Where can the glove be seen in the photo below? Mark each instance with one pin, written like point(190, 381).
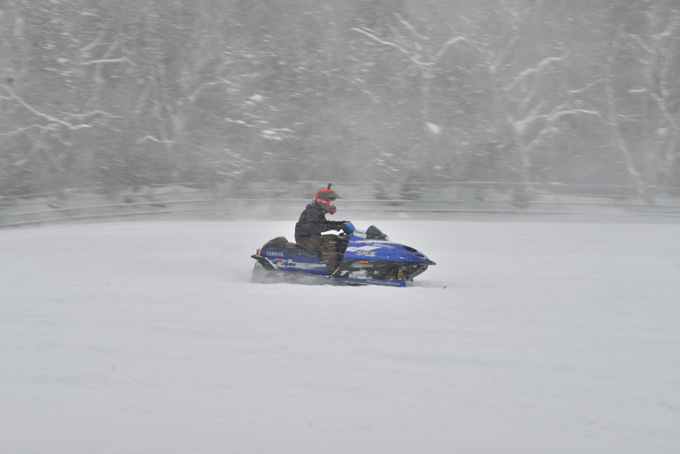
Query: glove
point(348, 228)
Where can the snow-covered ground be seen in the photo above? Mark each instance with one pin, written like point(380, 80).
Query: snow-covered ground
point(527, 337)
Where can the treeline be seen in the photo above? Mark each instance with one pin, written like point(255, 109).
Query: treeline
point(141, 92)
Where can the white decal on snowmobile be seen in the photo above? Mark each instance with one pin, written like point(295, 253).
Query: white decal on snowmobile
point(273, 253)
point(362, 248)
point(366, 253)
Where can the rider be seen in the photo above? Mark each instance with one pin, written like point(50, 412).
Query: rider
point(313, 222)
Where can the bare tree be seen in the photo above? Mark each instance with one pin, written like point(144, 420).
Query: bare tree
point(423, 60)
point(527, 84)
point(41, 117)
point(659, 49)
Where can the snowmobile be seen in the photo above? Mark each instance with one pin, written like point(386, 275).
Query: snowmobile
point(366, 258)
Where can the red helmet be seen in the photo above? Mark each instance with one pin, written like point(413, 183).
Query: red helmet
point(326, 199)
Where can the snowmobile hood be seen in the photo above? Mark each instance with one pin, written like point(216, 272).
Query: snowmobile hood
point(364, 249)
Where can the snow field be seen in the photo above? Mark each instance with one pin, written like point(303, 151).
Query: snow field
point(531, 337)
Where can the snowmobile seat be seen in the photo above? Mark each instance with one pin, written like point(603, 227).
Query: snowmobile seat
point(281, 242)
point(294, 248)
point(278, 242)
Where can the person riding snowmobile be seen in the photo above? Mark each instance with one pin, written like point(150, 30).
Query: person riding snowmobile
point(313, 222)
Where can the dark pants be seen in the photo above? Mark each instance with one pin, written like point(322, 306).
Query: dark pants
point(324, 244)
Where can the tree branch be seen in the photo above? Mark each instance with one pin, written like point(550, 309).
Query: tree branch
point(448, 44)
point(42, 115)
point(381, 41)
point(540, 67)
point(108, 60)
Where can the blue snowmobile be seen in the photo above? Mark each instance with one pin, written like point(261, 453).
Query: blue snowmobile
point(366, 258)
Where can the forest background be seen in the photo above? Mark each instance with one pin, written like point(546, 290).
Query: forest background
point(103, 93)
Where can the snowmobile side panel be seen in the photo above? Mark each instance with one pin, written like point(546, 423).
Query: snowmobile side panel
point(361, 248)
point(281, 259)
